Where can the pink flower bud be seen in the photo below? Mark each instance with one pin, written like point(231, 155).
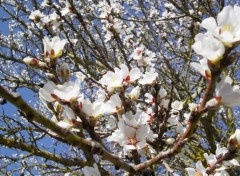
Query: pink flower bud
point(31, 61)
point(64, 71)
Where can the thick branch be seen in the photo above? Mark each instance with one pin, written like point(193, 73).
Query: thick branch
point(42, 153)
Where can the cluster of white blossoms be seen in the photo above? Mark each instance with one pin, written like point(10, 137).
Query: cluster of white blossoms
point(220, 36)
point(120, 97)
point(211, 161)
point(53, 19)
point(112, 26)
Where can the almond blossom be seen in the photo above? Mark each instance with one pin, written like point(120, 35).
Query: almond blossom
point(113, 105)
point(149, 77)
point(235, 139)
point(133, 131)
point(143, 56)
point(220, 151)
point(53, 47)
point(226, 94)
point(200, 170)
point(202, 68)
point(119, 76)
point(69, 91)
point(227, 26)
point(91, 171)
point(208, 47)
point(93, 109)
point(135, 93)
point(64, 71)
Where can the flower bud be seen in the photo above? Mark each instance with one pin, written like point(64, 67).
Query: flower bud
point(214, 103)
point(234, 140)
point(34, 62)
point(170, 141)
point(134, 94)
point(31, 61)
point(64, 71)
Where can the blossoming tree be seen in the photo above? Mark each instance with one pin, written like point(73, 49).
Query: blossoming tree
point(119, 87)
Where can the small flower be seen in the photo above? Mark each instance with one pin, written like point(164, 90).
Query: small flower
point(112, 79)
point(162, 93)
point(53, 47)
point(226, 94)
point(177, 105)
point(69, 91)
point(149, 77)
point(208, 47)
point(93, 110)
point(170, 141)
point(66, 9)
point(91, 171)
point(114, 104)
point(119, 76)
point(149, 98)
point(135, 93)
point(202, 68)
point(130, 76)
point(235, 139)
point(200, 170)
point(47, 90)
point(35, 15)
point(64, 71)
point(34, 62)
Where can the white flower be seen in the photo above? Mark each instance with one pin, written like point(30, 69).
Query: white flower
point(149, 77)
point(170, 141)
point(53, 47)
point(208, 47)
point(114, 104)
point(202, 68)
point(95, 109)
point(47, 91)
point(91, 171)
point(235, 139)
point(227, 26)
point(35, 15)
point(200, 170)
point(164, 103)
point(143, 55)
point(220, 151)
point(69, 91)
point(226, 94)
point(131, 76)
point(149, 98)
point(138, 53)
point(64, 71)
point(115, 79)
point(33, 62)
point(192, 106)
point(135, 93)
point(66, 9)
point(133, 131)
point(162, 93)
point(112, 79)
point(177, 105)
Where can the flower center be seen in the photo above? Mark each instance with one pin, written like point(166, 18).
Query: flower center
point(132, 141)
point(225, 28)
